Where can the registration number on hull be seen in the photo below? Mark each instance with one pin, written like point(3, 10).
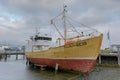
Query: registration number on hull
point(76, 44)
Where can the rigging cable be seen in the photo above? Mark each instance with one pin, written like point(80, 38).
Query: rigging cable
point(73, 27)
point(82, 24)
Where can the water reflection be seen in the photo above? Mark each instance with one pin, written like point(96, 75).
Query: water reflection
point(17, 70)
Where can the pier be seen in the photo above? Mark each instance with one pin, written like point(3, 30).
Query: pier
point(5, 54)
point(110, 58)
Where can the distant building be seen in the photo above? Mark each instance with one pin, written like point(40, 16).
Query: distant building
point(114, 48)
point(2, 48)
point(10, 49)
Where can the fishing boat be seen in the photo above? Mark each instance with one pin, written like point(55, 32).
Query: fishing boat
point(76, 50)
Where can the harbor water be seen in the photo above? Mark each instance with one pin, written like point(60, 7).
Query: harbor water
point(17, 70)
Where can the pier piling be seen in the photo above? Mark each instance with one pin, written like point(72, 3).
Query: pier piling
point(119, 56)
point(99, 59)
point(5, 57)
point(16, 57)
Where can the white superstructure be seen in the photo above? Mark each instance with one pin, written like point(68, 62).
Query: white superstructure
point(39, 42)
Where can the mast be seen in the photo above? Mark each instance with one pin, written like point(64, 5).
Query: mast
point(64, 23)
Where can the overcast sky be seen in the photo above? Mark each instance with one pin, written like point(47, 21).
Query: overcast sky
point(18, 18)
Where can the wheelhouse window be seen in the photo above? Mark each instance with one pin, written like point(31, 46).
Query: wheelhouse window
point(43, 38)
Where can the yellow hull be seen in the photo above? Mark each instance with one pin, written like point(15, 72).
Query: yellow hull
point(78, 56)
point(83, 49)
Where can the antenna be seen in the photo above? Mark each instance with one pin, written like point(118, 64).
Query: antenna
point(36, 30)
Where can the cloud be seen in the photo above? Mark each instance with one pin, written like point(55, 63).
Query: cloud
point(96, 12)
point(18, 18)
point(113, 28)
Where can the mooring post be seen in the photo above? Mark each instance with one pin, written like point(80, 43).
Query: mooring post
point(119, 55)
point(56, 67)
point(99, 58)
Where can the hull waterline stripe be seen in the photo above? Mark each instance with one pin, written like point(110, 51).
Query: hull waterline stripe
point(87, 58)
